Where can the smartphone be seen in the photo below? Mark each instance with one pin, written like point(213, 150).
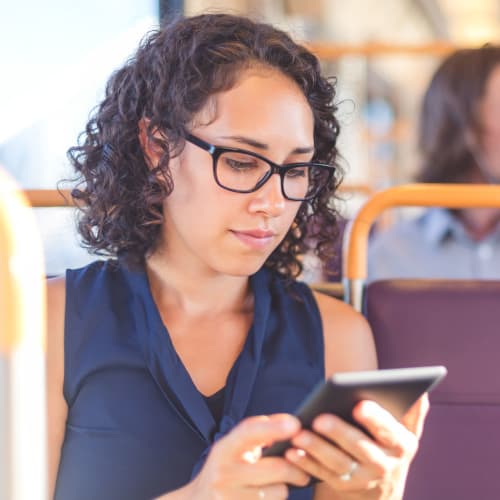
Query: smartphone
point(394, 389)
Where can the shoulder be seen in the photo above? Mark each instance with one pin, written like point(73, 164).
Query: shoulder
point(56, 305)
point(348, 338)
point(56, 404)
point(392, 252)
point(56, 301)
point(400, 232)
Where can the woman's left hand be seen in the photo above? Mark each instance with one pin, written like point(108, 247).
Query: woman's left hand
point(359, 466)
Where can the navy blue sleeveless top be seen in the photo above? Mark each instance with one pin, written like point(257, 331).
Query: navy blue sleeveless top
point(137, 426)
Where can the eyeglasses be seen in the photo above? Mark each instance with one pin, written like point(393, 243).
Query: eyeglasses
point(243, 171)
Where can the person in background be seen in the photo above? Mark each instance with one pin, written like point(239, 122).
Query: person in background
point(459, 141)
point(171, 364)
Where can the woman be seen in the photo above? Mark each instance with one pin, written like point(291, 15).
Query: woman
point(459, 141)
point(172, 364)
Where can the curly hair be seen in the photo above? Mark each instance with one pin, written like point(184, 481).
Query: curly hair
point(450, 111)
point(173, 74)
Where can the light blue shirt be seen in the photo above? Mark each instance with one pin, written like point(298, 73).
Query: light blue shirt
point(433, 245)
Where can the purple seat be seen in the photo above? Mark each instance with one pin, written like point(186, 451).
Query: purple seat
point(456, 324)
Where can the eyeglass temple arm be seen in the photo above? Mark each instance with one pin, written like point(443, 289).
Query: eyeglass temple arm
point(200, 143)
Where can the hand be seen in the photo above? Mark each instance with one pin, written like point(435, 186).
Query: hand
point(359, 466)
point(229, 473)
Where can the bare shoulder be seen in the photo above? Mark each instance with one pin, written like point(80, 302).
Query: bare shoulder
point(56, 293)
point(56, 404)
point(348, 338)
point(56, 304)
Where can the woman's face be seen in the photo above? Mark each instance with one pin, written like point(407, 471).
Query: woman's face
point(489, 113)
point(210, 229)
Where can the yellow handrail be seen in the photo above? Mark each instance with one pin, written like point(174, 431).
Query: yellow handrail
point(22, 349)
point(49, 197)
point(330, 51)
point(41, 198)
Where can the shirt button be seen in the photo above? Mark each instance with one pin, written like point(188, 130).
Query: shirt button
point(485, 251)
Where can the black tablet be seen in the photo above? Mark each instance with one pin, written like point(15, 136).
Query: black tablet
point(394, 389)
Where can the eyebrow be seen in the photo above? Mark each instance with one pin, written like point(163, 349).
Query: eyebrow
point(260, 145)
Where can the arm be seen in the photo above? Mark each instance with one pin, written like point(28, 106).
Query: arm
point(56, 405)
point(381, 464)
point(348, 339)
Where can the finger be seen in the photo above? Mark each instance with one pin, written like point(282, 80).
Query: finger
point(362, 477)
point(350, 439)
point(415, 417)
point(272, 491)
point(388, 432)
point(271, 470)
point(257, 431)
point(322, 451)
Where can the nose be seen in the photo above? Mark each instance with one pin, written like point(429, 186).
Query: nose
point(269, 199)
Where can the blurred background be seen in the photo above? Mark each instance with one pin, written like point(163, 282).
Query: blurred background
point(57, 55)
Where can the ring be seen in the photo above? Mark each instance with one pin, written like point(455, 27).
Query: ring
point(262, 494)
point(347, 476)
point(252, 456)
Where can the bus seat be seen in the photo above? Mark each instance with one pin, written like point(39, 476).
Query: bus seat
point(452, 323)
point(457, 324)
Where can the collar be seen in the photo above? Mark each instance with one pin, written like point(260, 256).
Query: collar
point(439, 224)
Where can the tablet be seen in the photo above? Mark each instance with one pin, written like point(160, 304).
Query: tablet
point(394, 389)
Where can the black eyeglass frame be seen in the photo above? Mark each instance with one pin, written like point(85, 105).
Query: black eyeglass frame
point(281, 170)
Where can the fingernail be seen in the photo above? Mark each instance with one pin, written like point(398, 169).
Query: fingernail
point(324, 424)
point(289, 425)
point(295, 455)
point(302, 440)
point(368, 407)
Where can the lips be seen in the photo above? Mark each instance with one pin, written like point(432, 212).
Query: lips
point(255, 238)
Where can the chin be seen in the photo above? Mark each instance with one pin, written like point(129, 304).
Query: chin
point(242, 268)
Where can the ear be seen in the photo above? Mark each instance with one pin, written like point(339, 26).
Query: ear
point(151, 151)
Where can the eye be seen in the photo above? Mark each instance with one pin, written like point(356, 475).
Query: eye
point(297, 172)
point(240, 162)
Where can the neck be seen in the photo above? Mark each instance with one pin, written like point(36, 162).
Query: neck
point(479, 222)
point(197, 292)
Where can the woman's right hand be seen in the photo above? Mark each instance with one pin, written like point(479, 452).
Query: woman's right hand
point(229, 474)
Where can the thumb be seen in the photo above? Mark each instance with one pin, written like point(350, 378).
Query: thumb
point(415, 416)
point(255, 432)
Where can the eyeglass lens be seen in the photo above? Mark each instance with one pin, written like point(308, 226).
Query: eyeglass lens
point(242, 172)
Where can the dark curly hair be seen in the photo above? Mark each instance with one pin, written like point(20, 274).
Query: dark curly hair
point(175, 70)
point(450, 111)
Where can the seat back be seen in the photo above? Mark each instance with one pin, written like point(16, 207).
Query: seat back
point(437, 322)
point(456, 324)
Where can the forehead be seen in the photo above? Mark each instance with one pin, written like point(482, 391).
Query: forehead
point(263, 103)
